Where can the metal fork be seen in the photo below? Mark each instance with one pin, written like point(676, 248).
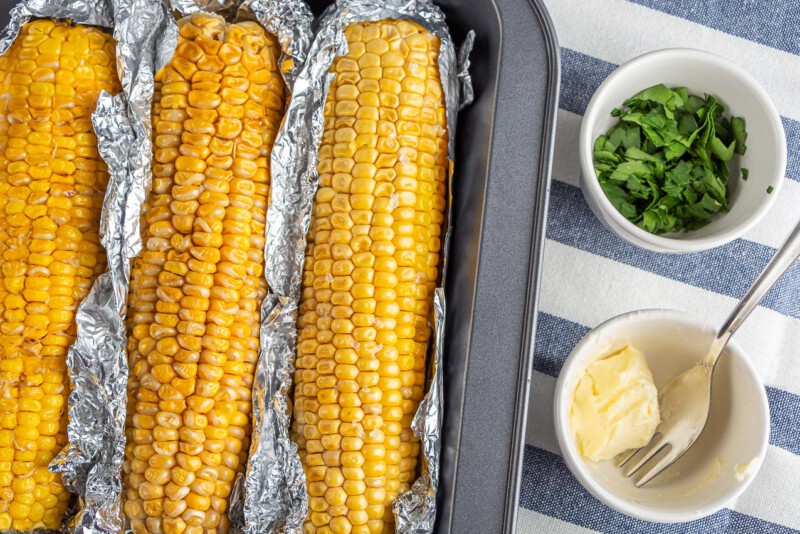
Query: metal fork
point(686, 400)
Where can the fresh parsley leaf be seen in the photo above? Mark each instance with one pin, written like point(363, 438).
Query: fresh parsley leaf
point(619, 199)
point(680, 174)
point(659, 94)
point(770, 189)
point(664, 165)
point(694, 103)
point(725, 153)
point(687, 124)
point(627, 168)
point(634, 153)
point(739, 134)
point(745, 174)
point(709, 204)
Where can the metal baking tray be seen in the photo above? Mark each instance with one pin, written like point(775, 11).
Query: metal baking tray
point(504, 153)
point(500, 190)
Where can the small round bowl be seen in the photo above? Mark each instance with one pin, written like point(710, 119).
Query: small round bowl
point(701, 72)
point(721, 463)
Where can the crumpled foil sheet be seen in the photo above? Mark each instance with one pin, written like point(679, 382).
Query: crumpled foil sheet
point(415, 510)
point(97, 363)
point(94, 12)
point(290, 21)
point(90, 463)
point(146, 35)
point(274, 484)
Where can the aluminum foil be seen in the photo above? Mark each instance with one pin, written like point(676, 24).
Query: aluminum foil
point(94, 12)
point(415, 510)
point(274, 484)
point(290, 21)
point(97, 364)
point(91, 461)
point(146, 36)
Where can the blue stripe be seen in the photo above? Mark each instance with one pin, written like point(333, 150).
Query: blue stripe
point(555, 338)
point(727, 270)
point(761, 21)
point(550, 489)
point(792, 129)
point(784, 419)
point(581, 75)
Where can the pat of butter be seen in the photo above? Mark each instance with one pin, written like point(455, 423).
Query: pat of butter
point(614, 406)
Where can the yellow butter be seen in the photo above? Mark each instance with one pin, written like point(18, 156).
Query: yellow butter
point(614, 406)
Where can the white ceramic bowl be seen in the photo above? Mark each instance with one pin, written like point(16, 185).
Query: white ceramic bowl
point(701, 72)
point(725, 458)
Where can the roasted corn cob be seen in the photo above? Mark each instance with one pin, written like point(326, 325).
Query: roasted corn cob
point(196, 288)
point(52, 183)
point(371, 267)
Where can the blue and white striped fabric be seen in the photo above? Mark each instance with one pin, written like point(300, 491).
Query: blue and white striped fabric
point(588, 272)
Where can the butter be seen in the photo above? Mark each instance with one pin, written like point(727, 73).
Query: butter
point(614, 406)
point(742, 471)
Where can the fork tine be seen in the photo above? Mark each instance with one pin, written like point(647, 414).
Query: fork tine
point(647, 452)
point(624, 457)
point(659, 466)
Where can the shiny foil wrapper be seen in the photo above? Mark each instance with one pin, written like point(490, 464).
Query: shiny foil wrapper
point(93, 12)
point(290, 21)
point(91, 462)
point(274, 488)
point(415, 510)
point(146, 35)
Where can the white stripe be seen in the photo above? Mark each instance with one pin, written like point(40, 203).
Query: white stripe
point(588, 289)
point(771, 231)
point(772, 496)
point(619, 31)
point(774, 493)
point(530, 522)
point(779, 221)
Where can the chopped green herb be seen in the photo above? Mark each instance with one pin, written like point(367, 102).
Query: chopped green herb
point(745, 174)
point(770, 189)
point(664, 165)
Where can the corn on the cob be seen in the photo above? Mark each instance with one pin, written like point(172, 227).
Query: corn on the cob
point(196, 289)
point(52, 183)
point(371, 266)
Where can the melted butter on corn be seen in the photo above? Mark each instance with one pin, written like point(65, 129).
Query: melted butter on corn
point(52, 183)
point(371, 267)
point(197, 287)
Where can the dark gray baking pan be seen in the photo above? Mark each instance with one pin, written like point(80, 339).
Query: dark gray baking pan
point(504, 152)
point(500, 191)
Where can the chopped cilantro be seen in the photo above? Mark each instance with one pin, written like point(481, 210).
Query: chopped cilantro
point(664, 165)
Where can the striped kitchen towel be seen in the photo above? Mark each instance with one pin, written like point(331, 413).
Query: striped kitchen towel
point(583, 258)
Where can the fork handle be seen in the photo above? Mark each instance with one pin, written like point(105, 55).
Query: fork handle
point(779, 264)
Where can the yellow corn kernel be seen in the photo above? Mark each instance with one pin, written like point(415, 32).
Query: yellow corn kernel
point(196, 286)
point(370, 270)
point(51, 217)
